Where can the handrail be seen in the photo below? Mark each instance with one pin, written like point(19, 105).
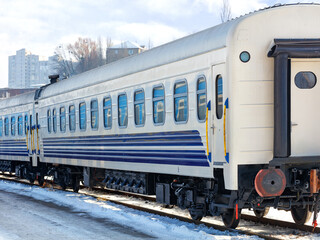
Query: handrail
point(207, 141)
point(226, 106)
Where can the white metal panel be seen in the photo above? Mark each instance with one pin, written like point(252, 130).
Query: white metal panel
point(217, 127)
point(305, 117)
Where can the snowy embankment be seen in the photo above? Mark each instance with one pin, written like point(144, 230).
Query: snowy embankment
point(153, 225)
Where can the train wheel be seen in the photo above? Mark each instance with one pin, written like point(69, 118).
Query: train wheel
point(75, 184)
point(197, 213)
point(231, 218)
point(41, 180)
point(195, 216)
point(301, 215)
point(261, 213)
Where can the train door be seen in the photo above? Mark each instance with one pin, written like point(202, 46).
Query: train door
point(305, 101)
point(217, 108)
point(28, 132)
point(31, 134)
point(36, 135)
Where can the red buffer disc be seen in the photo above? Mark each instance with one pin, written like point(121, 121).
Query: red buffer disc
point(270, 182)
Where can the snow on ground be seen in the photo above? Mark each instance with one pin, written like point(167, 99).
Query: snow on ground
point(150, 224)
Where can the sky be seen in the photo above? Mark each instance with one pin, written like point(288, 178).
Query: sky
point(40, 26)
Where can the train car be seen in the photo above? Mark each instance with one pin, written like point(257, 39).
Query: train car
point(215, 122)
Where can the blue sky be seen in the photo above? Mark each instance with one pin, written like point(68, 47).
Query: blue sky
point(41, 25)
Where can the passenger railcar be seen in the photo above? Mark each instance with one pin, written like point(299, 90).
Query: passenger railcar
point(218, 121)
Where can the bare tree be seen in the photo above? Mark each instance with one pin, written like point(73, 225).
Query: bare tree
point(85, 52)
point(62, 62)
point(225, 13)
point(109, 42)
point(150, 44)
point(100, 50)
point(83, 55)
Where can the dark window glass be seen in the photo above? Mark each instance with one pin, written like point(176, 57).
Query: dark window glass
point(82, 116)
point(1, 127)
point(26, 124)
point(181, 101)
point(6, 126)
point(20, 125)
point(49, 120)
point(219, 96)
point(13, 126)
point(54, 120)
point(72, 118)
point(107, 112)
point(139, 108)
point(201, 98)
point(94, 114)
point(122, 110)
point(305, 80)
point(62, 119)
point(158, 105)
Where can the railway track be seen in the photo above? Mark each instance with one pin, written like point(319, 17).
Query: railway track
point(106, 195)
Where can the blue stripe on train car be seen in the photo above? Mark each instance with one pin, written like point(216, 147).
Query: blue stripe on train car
point(13, 148)
point(56, 147)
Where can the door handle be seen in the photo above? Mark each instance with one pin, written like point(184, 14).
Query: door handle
point(213, 127)
point(293, 124)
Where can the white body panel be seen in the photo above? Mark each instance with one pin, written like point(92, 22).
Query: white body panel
point(305, 134)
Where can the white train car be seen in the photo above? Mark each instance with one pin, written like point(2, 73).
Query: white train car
point(215, 122)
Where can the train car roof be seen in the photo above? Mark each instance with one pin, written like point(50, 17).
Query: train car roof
point(18, 100)
point(207, 40)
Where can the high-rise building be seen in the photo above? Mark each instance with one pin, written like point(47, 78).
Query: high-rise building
point(27, 71)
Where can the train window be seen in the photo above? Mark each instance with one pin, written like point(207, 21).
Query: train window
point(54, 120)
point(49, 120)
point(72, 118)
point(158, 105)
point(1, 127)
point(6, 126)
point(13, 126)
point(122, 110)
point(25, 124)
point(201, 98)
point(62, 119)
point(181, 101)
point(107, 112)
point(20, 125)
point(305, 80)
point(139, 108)
point(219, 96)
point(94, 114)
point(82, 116)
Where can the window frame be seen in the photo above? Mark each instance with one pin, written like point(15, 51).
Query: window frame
point(54, 120)
point(139, 102)
point(26, 119)
point(220, 115)
point(180, 95)
point(69, 118)
point(85, 114)
point(1, 127)
point(13, 126)
point(49, 120)
point(198, 92)
point(65, 119)
point(97, 110)
point(158, 99)
point(104, 109)
point(6, 126)
point(20, 133)
point(298, 78)
point(123, 94)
